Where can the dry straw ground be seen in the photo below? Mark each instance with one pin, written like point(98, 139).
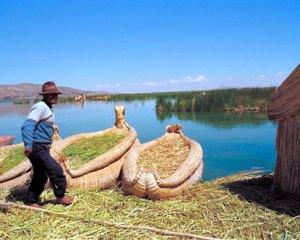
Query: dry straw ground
point(237, 207)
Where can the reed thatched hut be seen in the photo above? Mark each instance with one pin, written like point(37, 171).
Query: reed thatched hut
point(284, 107)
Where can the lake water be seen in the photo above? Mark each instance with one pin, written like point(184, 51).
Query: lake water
point(231, 142)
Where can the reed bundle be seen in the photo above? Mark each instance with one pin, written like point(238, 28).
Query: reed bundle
point(95, 159)
point(12, 157)
point(165, 156)
point(15, 168)
point(87, 149)
point(163, 167)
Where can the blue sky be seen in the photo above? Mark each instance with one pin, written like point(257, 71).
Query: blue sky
point(145, 46)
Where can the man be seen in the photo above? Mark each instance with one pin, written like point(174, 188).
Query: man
point(37, 133)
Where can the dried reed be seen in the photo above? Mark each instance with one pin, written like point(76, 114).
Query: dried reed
point(12, 158)
point(86, 149)
point(213, 209)
point(165, 156)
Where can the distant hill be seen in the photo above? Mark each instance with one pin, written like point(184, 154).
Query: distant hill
point(31, 91)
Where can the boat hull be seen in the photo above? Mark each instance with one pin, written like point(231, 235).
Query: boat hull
point(6, 140)
point(140, 182)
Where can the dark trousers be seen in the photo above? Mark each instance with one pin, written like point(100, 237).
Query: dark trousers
point(45, 166)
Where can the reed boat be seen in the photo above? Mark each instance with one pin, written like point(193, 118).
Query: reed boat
point(164, 167)
point(6, 140)
point(15, 168)
point(96, 167)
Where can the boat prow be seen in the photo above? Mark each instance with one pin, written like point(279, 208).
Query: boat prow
point(6, 140)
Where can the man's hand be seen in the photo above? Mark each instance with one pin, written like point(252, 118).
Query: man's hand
point(27, 151)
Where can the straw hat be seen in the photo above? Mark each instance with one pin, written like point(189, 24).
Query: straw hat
point(49, 88)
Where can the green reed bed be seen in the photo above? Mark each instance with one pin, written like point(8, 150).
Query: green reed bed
point(238, 207)
point(87, 149)
point(243, 99)
point(12, 159)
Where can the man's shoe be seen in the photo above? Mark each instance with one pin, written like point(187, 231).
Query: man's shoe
point(66, 200)
point(34, 205)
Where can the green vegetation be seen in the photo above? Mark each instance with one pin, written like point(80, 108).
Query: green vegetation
point(97, 97)
point(144, 96)
point(217, 118)
point(237, 207)
point(30, 101)
point(85, 150)
point(21, 101)
point(203, 101)
point(63, 99)
point(192, 101)
point(12, 159)
point(217, 100)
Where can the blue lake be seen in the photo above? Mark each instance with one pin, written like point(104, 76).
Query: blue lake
point(232, 142)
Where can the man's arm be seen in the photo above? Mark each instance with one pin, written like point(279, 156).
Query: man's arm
point(27, 132)
point(28, 127)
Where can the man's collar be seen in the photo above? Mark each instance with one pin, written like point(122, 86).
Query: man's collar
point(48, 104)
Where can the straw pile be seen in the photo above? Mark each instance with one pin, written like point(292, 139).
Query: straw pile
point(164, 156)
point(210, 209)
point(164, 167)
point(284, 106)
point(15, 169)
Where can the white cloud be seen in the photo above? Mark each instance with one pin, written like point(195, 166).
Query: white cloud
point(199, 78)
point(109, 85)
point(103, 86)
point(186, 81)
point(173, 81)
point(150, 83)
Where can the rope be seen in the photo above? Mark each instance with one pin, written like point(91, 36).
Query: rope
point(6, 206)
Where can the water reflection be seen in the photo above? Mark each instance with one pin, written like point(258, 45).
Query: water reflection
point(231, 142)
point(215, 119)
point(79, 104)
point(218, 119)
point(7, 108)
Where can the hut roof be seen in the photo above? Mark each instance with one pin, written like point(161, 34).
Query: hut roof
point(285, 101)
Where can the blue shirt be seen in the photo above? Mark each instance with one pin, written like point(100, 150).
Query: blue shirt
point(38, 127)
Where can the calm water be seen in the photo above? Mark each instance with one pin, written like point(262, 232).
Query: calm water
point(231, 142)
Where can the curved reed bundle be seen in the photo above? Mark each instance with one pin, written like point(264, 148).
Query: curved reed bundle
point(164, 167)
point(103, 169)
point(15, 168)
